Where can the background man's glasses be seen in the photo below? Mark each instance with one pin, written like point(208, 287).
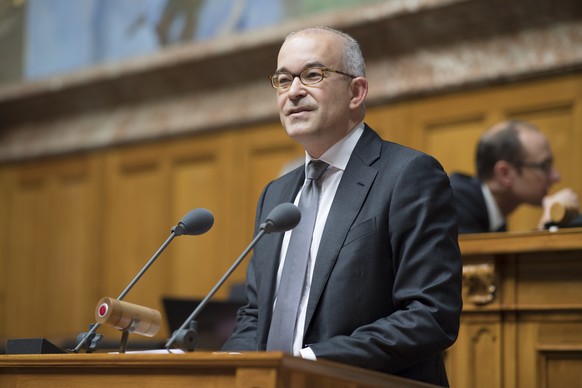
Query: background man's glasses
point(545, 166)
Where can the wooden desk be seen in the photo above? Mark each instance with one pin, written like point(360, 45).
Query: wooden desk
point(249, 370)
point(522, 314)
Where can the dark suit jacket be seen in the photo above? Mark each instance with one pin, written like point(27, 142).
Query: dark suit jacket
point(470, 203)
point(471, 208)
point(386, 289)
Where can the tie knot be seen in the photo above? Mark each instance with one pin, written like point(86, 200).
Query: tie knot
point(315, 169)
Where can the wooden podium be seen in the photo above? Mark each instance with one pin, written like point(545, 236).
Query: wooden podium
point(248, 370)
point(522, 315)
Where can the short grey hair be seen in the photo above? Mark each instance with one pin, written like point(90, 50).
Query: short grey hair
point(353, 60)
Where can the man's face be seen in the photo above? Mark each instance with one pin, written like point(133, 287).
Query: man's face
point(537, 172)
point(315, 116)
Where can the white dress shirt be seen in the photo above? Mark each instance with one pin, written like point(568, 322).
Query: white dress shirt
point(337, 157)
point(496, 219)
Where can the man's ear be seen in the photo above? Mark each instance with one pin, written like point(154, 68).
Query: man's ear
point(504, 172)
point(359, 89)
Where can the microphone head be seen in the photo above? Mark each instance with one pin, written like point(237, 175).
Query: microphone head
point(195, 222)
point(283, 217)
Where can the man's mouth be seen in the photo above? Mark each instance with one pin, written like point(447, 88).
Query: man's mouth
point(294, 111)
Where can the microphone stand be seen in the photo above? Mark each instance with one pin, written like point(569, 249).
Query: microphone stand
point(88, 337)
point(186, 338)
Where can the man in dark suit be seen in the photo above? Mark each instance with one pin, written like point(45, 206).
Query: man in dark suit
point(514, 166)
point(382, 288)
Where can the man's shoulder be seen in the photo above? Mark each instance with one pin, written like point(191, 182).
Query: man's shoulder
point(470, 203)
point(393, 150)
point(460, 180)
point(466, 188)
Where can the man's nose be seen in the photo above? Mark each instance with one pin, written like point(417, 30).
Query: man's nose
point(297, 89)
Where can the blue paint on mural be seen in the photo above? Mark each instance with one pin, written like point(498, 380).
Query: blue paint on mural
point(66, 35)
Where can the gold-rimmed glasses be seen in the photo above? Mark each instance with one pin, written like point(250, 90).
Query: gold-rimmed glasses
point(312, 75)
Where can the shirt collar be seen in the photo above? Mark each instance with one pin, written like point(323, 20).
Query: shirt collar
point(339, 154)
point(496, 219)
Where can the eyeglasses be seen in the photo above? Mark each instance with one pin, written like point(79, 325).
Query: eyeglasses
point(308, 77)
point(545, 166)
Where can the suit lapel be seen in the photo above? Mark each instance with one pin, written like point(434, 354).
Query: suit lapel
point(349, 199)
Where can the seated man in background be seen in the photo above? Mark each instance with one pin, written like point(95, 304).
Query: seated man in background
point(514, 166)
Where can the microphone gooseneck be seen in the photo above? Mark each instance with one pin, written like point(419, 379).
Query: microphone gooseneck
point(283, 217)
point(195, 222)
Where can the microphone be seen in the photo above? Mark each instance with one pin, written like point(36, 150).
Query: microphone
point(195, 222)
point(562, 213)
point(130, 317)
point(283, 217)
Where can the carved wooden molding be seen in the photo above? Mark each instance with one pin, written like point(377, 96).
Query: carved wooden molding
point(479, 281)
point(412, 48)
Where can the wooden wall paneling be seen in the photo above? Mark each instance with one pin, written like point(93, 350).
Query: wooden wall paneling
point(537, 269)
point(475, 359)
point(171, 179)
point(75, 270)
point(559, 346)
point(526, 354)
point(268, 153)
point(551, 106)
point(27, 252)
point(448, 128)
point(507, 281)
point(480, 343)
point(53, 247)
point(4, 183)
point(549, 350)
point(559, 367)
point(576, 139)
point(457, 359)
point(549, 291)
point(202, 177)
point(262, 153)
point(508, 362)
point(138, 219)
point(453, 142)
point(485, 367)
point(391, 122)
